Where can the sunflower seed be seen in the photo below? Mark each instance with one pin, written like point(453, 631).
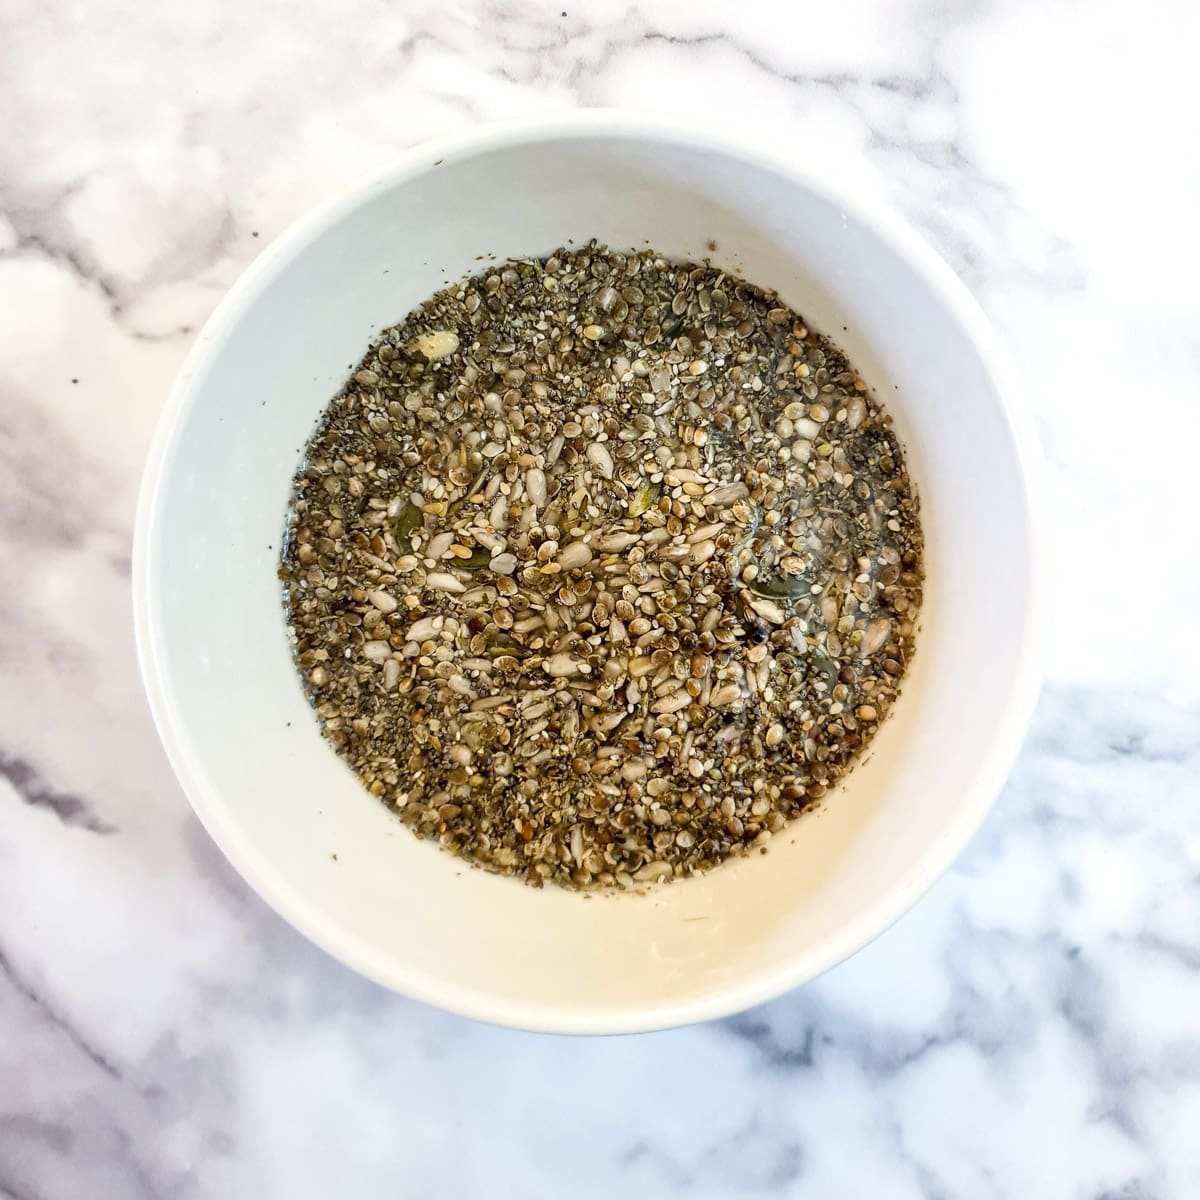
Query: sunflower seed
point(599, 457)
point(574, 556)
point(444, 582)
point(382, 601)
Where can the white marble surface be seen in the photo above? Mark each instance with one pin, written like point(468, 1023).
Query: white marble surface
point(1031, 1029)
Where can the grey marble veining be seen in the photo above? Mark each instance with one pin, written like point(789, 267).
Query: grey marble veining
point(1031, 1029)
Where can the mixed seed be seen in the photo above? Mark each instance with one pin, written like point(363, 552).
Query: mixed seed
point(602, 568)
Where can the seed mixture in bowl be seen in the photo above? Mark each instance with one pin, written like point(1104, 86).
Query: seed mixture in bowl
point(602, 568)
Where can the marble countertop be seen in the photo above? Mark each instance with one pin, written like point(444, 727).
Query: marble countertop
point(1031, 1029)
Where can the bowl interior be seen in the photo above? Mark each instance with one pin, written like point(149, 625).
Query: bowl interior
point(245, 742)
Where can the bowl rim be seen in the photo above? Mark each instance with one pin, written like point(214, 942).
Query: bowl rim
point(723, 999)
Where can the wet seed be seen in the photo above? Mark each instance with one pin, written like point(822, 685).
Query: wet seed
point(608, 593)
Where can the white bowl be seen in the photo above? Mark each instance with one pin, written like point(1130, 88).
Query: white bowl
point(244, 742)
